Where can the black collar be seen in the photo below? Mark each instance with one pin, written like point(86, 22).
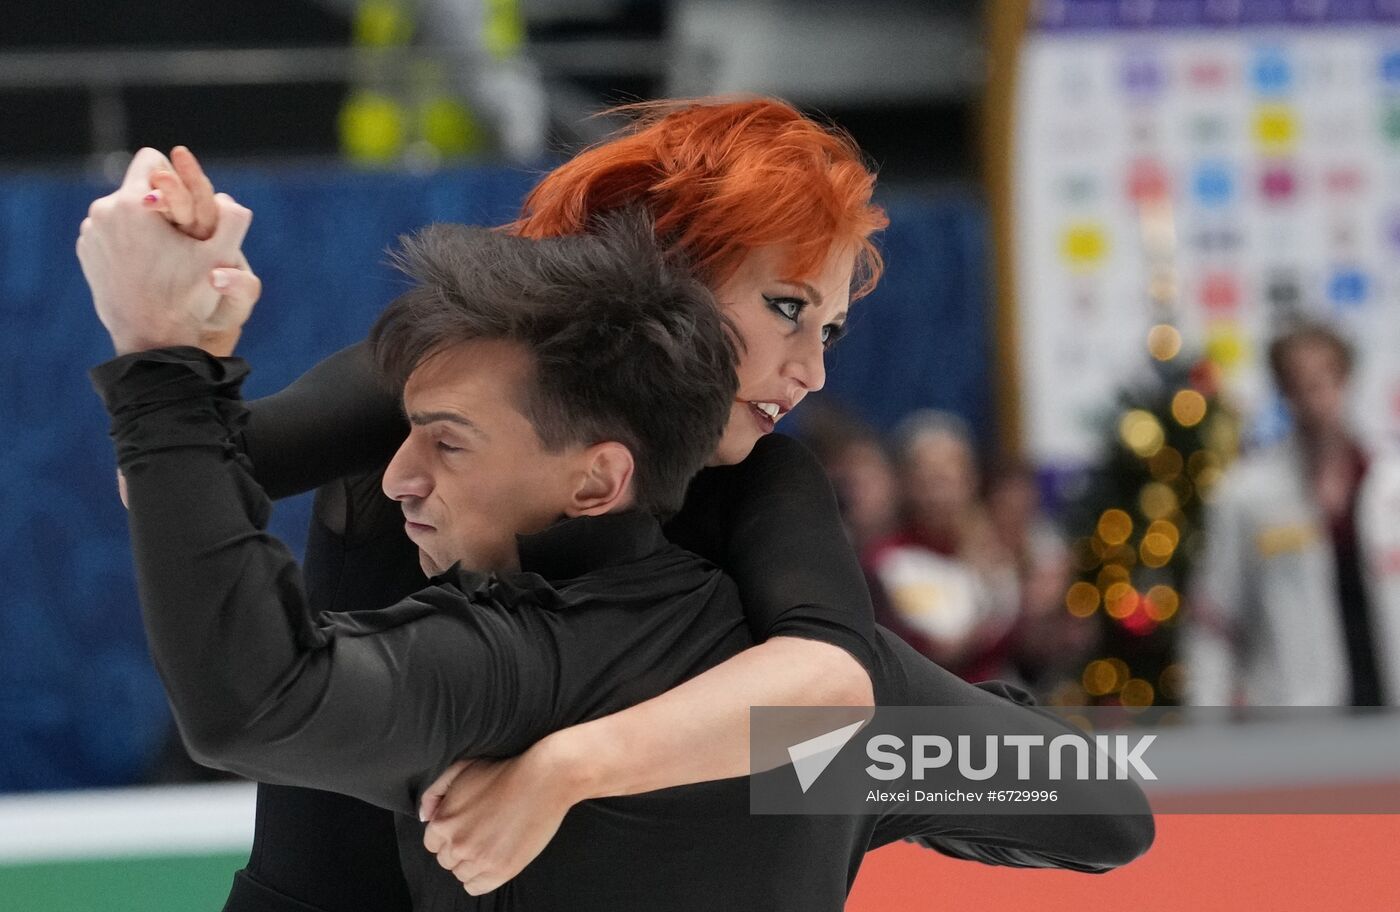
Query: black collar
point(582, 544)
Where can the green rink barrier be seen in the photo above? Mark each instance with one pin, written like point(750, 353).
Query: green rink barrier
point(168, 849)
point(172, 883)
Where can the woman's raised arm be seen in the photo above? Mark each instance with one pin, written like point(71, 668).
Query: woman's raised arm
point(337, 419)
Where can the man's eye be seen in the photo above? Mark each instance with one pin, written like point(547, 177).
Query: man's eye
point(788, 308)
point(447, 447)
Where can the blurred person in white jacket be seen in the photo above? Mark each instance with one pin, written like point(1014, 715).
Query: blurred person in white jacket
point(1297, 602)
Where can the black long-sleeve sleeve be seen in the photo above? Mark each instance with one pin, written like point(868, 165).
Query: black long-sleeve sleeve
point(311, 847)
point(1120, 831)
point(337, 419)
point(772, 523)
point(259, 687)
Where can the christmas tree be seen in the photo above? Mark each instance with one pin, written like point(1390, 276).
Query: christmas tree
point(1136, 524)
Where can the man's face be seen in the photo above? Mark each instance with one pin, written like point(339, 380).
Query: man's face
point(473, 473)
point(1317, 387)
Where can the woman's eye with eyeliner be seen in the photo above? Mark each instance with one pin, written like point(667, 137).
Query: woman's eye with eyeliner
point(788, 308)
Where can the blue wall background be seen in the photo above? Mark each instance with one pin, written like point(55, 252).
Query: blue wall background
point(79, 702)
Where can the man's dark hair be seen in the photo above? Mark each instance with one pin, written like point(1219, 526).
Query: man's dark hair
point(625, 345)
point(1303, 334)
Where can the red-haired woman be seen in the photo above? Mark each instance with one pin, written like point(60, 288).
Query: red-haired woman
point(775, 213)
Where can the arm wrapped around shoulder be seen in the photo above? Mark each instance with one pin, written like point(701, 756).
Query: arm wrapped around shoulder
point(786, 548)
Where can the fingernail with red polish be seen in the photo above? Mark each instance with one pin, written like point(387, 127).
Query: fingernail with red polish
point(151, 198)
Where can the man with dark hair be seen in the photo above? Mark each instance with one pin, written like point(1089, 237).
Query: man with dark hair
point(623, 347)
point(531, 491)
point(505, 441)
point(1298, 599)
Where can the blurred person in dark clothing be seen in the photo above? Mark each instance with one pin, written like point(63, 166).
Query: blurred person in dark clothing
point(1297, 602)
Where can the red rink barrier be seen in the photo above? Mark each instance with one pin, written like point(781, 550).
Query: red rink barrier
point(1199, 863)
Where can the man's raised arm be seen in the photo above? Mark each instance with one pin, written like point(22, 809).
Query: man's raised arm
point(353, 703)
point(256, 686)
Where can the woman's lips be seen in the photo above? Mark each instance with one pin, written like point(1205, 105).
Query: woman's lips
point(760, 417)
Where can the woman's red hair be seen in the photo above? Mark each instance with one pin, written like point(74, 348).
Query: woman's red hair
point(720, 178)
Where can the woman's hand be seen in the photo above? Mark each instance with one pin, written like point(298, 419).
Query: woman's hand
point(488, 819)
point(184, 194)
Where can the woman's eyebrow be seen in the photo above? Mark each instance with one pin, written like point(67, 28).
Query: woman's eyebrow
point(813, 296)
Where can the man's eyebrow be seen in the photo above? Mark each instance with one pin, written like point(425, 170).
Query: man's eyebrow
point(420, 419)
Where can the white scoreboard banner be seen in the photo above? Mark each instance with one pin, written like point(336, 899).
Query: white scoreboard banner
point(1253, 148)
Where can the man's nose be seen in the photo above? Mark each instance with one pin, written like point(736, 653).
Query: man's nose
point(405, 477)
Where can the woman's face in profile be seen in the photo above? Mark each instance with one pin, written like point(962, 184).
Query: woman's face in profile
point(786, 323)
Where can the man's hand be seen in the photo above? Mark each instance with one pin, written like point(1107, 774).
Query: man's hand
point(488, 819)
point(152, 285)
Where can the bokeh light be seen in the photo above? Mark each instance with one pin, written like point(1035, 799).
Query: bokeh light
point(1163, 342)
point(1188, 407)
point(1162, 602)
point(1205, 470)
point(1082, 599)
point(1102, 677)
point(1120, 600)
point(1110, 574)
point(1156, 500)
point(1136, 692)
point(1141, 432)
point(1155, 551)
point(1115, 526)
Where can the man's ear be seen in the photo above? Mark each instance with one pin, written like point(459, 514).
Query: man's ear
point(604, 480)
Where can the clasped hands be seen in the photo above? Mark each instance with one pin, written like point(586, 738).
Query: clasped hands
point(162, 258)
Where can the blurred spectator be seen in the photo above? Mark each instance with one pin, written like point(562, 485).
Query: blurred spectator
point(860, 470)
point(1049, 644)
point(1298, 595)
point(951, 584)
